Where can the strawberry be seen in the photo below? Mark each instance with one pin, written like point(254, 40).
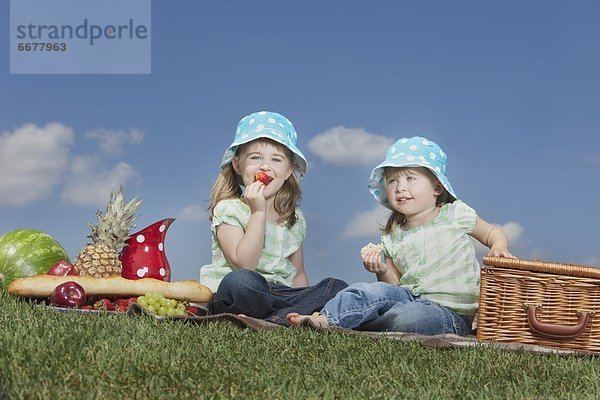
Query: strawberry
point(191, 310)
point(121, 303)
point(262, 177)
point(121, 307)
point(87, 307)
point(104, 304)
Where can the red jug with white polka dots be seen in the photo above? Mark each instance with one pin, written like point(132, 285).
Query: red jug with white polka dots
point(144, 255)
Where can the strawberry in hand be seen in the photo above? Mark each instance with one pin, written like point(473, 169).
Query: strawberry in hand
point(262, 177)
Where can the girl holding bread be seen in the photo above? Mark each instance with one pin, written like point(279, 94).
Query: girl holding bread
point(257, 228)
point(428, 276)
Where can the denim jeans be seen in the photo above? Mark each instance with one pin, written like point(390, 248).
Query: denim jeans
point(381, 306)
point(247, 292)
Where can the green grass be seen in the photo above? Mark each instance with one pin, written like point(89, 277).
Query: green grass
point(49, 355)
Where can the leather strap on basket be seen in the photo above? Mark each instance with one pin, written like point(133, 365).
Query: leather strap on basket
point(557, 331)
point(542, 266)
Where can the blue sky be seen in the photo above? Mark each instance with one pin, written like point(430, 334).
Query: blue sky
point(510, 90)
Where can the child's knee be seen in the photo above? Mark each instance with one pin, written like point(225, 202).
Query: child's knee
point(335, 285)
point(370, 287)
point(241, 280)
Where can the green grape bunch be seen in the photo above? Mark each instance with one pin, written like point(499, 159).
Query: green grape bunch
point(157, 303)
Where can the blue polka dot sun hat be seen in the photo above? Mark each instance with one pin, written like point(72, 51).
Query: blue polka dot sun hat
point(267, 124)
point(410, 152)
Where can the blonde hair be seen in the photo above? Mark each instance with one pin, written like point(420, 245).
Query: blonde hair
point(227, 186)
point(397, 218)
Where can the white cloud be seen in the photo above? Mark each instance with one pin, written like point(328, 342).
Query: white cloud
point(112, 142)
point(193, 212)
point(514, 234)
point(513, 231)
point(89, 182)
point(367, 223)
point(538, 254)
point(32, 160)
point(349, 146)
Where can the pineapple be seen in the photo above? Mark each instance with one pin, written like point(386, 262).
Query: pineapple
point(100, 258)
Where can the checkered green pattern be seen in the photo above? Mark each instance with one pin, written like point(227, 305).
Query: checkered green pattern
point(280, 243)
point(438, 260)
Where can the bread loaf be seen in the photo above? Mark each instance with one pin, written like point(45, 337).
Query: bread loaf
point(116, 286)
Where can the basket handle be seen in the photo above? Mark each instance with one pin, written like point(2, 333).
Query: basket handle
point(557, 331)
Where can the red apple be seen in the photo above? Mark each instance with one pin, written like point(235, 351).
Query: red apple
point(63, 268)
point(69, 294)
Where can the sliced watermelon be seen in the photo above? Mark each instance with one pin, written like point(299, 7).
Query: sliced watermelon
point(28, 252)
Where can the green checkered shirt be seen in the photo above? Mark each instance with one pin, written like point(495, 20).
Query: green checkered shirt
point(438, 260)
point(280, 242)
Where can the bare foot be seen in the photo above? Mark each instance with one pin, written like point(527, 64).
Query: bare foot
point(317, 319)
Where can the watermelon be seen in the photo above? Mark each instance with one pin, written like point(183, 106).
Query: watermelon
point(28, 252)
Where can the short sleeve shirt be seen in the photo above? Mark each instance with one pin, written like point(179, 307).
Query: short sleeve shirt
point(280, 243)
point(438, 260)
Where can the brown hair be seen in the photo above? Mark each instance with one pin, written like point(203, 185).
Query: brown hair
point(227, 186)
point(397, 218)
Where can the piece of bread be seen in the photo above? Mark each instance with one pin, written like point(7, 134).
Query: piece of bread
point(369, 248)
point(116, 286)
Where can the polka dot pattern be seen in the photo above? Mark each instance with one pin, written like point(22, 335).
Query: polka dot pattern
point(269, 125)
point(144, 255)
point(142, 272)
point(407, 152)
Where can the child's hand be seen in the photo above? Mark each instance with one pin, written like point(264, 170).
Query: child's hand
point(500, 251)
point(254, 196)
point(375, 262)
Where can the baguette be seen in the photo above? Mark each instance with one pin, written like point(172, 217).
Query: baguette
point(116, 286)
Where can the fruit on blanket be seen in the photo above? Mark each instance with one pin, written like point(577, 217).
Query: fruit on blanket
point(100, 258)
point(123, 304)
point(69, 294)
point(63, 268)
point(104, 304)
point(28, 252)
point(263, 177)
point(191, 310)
point(115, 286)
point(120, 302)
point(157, 303)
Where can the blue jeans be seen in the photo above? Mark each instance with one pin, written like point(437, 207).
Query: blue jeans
point(247, 292)
point(380, 306)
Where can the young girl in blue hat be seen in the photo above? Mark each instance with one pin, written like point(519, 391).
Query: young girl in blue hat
point(428, 278)
point(257, 228)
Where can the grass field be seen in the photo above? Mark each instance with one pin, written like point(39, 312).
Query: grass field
point(49, 355)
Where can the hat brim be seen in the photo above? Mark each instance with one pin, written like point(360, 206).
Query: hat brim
point(377, 185)
point(299, 161)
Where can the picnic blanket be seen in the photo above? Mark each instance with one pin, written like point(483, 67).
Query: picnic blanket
point(443, 341)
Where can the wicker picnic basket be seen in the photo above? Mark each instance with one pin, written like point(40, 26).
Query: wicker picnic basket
point(540, 303)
